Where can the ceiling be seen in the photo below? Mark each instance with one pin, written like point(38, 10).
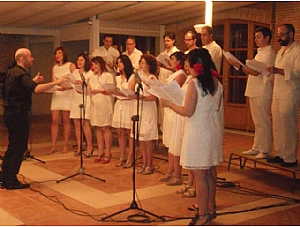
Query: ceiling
point(53, 14)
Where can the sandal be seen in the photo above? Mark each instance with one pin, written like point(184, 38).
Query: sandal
point(166, 178)
point(88, 155)
point(148, 170)
point(141, 170)
point(122, 162)
point(52, 151)
point(76, 153)
point(129, 164)
point(206, 220)
point(64, 150)
point(106, 159)
point(99, 159)
point(190, 193)
point(175, 181)
point(184, 189)
point(194, 207)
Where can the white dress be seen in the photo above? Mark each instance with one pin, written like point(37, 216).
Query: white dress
point(169, 115)
point(178, 128)
point(61, 100)
point(78, 99)
point(101, 109)
point(203, 135)
point(147, 124)
point(123, 107)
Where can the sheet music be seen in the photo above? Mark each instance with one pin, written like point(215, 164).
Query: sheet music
point(258, 66)
point(151, 82)
point(127, 92)
point(87, 90)
point(228, 55)
point(163, 58)
point(170, 91)
point(109, 87)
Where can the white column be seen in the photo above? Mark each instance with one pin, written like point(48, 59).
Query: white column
point(208, 12)
point(162, 30)
point(94, 33)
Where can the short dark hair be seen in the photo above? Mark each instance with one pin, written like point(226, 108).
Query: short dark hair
point(289, 27)
point(131, 37)
point(107, 35)
point(208, 29)
point(180, 57)
point(171, 35)
point(192, 33)
point(265, 31)
point(64, 52)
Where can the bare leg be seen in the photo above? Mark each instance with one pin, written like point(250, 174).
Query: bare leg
point(100, 141)
point(177, 168)
point(67, 129)
point(54, 128)
point(122, 142)
point(77, 134)
point(108, 140)
point(212, 182)
point(202, 193)
point(88, 136)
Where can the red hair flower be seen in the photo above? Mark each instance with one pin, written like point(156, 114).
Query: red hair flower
point(178, 67)
point(214, 73)
point(198, 68)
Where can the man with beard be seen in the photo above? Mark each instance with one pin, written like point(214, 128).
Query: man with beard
point(286, 98)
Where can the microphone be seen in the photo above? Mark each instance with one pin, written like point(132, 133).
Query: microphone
point(82, 78)
point(138, 79)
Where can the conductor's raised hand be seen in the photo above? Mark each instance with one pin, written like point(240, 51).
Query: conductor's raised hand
point(38, 78)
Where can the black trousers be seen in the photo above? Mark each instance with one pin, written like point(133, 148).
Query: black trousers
point(17, 123)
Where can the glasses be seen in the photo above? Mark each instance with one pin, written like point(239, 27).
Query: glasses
point(129, 44)
point(281, 35)
point(187, 40)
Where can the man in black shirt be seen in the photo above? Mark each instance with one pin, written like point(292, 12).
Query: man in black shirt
point(17, 103)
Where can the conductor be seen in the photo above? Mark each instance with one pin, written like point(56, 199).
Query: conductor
point(17, 103)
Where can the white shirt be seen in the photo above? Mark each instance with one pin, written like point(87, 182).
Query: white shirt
point(135, 57)
point(215, 52)
point(109, 55)
point(173, 50)
point(261, 85)
point(288, 85)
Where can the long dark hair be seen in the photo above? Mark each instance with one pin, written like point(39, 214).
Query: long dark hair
point(128, 68)
point(87, 64)
point(203, 57)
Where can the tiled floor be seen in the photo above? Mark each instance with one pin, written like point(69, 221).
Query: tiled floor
point(84, 200)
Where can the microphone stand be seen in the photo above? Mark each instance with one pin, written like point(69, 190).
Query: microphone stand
point(135, 132)
point(82, 113)
point(27, 154)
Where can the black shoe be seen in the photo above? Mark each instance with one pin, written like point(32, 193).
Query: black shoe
point(277, 159)
point(15, 186)
point(288, 164)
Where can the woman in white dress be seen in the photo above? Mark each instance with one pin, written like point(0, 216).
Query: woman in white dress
point(82, 76)
point(203, 136)
point(147, 124)
point(123, 109)
point(61, 99)
point(171, 125)
point(101, 108)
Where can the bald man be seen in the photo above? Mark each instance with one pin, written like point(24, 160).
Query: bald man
point(17, 103)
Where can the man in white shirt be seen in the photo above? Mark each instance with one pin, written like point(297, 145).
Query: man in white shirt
point(259, 91)
point(190, 41)
point(286, 97)
point(108, 53)
point(213, 48)
point(133, 53)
